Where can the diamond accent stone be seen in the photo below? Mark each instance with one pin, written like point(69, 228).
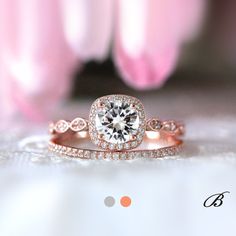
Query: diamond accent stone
point(116, 156)
point(78, 124)
point(155, 124)
point(61, 126)
point(170, 126)
point(117, 121)
point(127, 146)
point(104, 145)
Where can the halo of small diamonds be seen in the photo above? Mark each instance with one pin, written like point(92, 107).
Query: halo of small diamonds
point(117, 122)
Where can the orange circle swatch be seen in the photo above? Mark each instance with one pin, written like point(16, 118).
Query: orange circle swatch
point(125, 201)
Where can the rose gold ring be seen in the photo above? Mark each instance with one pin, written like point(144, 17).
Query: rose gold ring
point(118, 129)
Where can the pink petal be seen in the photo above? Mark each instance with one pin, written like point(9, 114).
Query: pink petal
point(88, 27)
point(36, 62)
point(148, 38)
point(146, 71)
point(190, 15)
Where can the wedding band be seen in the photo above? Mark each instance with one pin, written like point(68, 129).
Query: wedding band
point(118, 128)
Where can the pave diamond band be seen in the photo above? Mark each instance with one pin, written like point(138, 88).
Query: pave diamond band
point(60, 146)
point(117, 125)
point(116, 155)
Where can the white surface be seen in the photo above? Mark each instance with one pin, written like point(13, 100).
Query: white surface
point(42, 194)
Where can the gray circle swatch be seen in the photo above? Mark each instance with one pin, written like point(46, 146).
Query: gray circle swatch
point(109, 201)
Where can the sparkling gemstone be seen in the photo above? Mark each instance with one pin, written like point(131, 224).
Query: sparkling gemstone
point(116, 121)
point(100, 155)
point(116, 156)
point(127, 146)
point(78, 124)
point(61, 126)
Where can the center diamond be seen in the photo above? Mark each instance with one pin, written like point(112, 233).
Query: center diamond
point(117, 121)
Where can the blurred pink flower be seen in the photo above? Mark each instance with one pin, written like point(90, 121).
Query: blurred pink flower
point(149, 35)
point(36, 62)
point(42, 41)
point(88, 27)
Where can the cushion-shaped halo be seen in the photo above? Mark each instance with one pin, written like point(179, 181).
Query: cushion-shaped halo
point(117, 122)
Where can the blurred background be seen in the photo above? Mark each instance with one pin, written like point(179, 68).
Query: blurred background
point(209, 58)
point(52, 51)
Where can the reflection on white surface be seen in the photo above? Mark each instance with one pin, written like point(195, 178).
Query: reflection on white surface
point(29, 207)
point(152, 135)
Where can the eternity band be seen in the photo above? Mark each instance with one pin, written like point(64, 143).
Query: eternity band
point(118, 127)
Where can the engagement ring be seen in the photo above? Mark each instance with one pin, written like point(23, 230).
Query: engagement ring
point(117, 128)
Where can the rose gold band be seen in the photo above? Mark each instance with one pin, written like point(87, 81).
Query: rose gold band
point(60, 143)
point(64, 133)
point(170, 127)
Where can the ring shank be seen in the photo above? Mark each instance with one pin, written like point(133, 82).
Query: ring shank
point(79, 145)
